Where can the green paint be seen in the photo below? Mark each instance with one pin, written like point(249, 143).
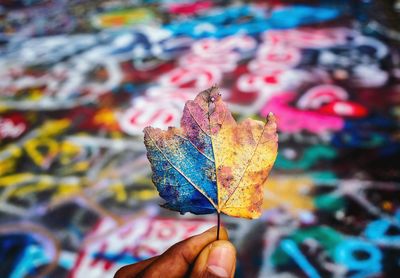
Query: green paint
point(329, 202)
point(324, 176)
point(310, 157)
point(327, 237)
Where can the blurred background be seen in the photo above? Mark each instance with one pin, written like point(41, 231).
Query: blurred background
point(79, 80)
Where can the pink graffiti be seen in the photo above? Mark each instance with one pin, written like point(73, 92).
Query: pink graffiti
point(147, 112)
point(291, 119)
point(275, 57)
point(225, 63)
point(159, 107)
point(12, 126)
point(198, 77)
point(214, 47)
point(189, 8)
point(307, 37)
point(257, 82)
point(207, 61)
point(321, 94)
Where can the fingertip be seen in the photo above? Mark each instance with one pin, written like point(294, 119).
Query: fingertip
point(218, 259)
point(221, 261)
point(224, 244)
point(223, 232)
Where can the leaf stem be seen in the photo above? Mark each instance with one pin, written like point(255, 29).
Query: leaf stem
point(219, 224)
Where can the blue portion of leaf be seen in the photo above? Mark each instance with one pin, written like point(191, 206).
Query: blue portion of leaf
point(183, 175)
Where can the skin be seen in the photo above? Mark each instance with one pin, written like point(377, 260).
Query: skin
point(198, 256)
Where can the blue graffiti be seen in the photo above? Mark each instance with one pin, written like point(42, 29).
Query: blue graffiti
point(378, 230)
point(21, 255)
point(290, 247)
point(346, 254)
point(226, 22)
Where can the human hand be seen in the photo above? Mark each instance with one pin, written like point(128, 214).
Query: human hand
point(197, 256)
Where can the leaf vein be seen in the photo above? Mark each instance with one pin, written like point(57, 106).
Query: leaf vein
point(183, 175)
point(247, 165)
point(191, 115)
point(206, 156)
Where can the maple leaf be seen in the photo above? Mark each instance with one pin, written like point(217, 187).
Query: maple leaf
point(211, 163)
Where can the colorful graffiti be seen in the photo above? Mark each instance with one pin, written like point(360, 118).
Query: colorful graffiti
point(76, 198)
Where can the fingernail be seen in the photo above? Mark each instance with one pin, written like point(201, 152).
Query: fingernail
point(220, 261)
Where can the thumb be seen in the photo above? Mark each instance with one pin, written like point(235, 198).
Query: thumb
point(218, 259)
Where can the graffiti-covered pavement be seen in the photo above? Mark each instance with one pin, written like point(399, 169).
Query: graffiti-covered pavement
point(79, 80)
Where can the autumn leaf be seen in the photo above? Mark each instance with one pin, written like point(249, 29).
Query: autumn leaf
point(211, 163)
